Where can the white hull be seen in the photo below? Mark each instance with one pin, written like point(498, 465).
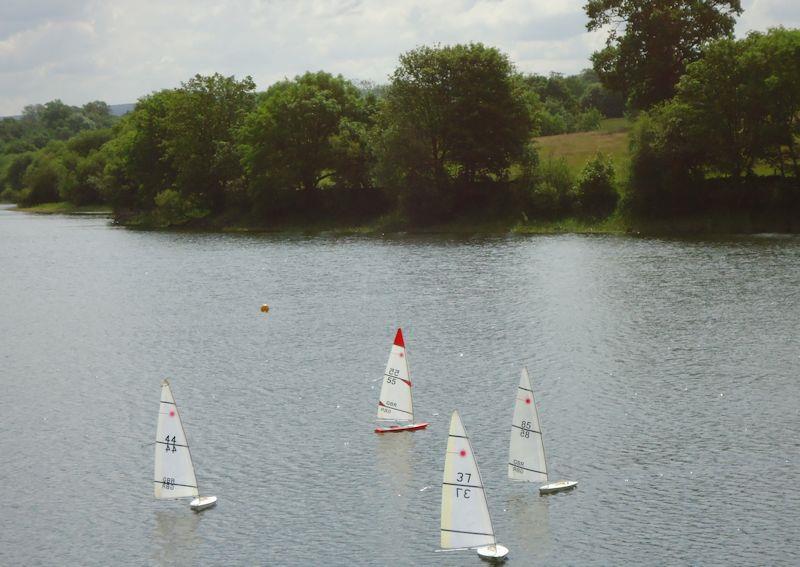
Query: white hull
point(495, 552)
point(202, 502)
point(558, 486)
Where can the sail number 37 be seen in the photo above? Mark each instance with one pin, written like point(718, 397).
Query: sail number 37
point(460, 491)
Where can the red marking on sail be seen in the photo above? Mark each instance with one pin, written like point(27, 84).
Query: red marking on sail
point(527, 400)
point(407, 382)
point(398, 339)
point(380, 403)
point(172, 413)
point(463, 453)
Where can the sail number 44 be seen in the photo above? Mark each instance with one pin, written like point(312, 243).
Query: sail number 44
point(173, 447)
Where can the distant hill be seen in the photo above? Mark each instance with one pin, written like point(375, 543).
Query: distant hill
point(120, 109)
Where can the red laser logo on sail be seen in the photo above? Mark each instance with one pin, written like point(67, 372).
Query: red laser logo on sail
point(463, 453)
point(527, 400)
point(172, 413)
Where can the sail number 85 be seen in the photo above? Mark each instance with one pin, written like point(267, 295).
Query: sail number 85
point(525, 429)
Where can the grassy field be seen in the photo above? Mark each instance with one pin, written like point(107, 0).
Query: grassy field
point(576, 149)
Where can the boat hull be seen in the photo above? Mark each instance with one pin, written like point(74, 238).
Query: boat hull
point(202, 503)
point(399, 428)
point(558, 486)
point(493, 553)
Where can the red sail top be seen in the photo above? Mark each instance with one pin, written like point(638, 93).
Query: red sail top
point(398, 339)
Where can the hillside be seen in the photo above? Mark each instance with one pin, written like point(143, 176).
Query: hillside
point(576, 149)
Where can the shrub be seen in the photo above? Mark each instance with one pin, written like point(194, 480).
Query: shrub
point(594, 190)
point(550, 193)
point(174, 209)
point(42, 180)
point(588, 120)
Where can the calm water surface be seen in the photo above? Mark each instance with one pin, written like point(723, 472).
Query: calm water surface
point(667, 373)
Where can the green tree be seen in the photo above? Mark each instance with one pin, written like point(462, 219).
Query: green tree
point(308, 135)
point(454, 119)
point(650, 42)
point(595, 194)
point(201, 120)
point(42, 180)
point(738, 104)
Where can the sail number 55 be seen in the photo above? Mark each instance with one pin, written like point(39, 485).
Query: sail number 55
point(392, 374)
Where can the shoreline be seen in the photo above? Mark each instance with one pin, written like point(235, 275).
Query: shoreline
point(718, 224)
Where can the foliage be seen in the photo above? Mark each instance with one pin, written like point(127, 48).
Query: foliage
point(595, 194)
point(650, 42)
point(42, 180)
point(575, 103)
point(453, 121)
point(308, 135)
point(550, 195)
point(201, 120)
point(172, 208)
point(54, 120)
point(609, 103)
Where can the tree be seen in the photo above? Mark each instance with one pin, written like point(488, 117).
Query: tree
point(200, 124)
point(306, 135)
point(741, 102)
point(453, 118)
point(42, 180)
point(650, 42)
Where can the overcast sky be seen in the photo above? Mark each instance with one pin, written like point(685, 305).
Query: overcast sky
point(119, 50)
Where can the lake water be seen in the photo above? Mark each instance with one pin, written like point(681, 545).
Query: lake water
point(667, 373)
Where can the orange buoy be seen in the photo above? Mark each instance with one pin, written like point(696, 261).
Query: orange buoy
point(265, 308)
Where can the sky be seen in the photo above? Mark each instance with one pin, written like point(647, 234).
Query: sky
point(119, 50)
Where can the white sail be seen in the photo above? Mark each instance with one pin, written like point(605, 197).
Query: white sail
point(526, 459)
point(465, 512)
point(174, 472)
point(395, 403)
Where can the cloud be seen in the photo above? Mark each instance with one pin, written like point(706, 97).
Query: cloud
point(763, 14)
point(119, 51)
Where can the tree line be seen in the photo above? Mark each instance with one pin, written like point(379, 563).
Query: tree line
point(451, 136)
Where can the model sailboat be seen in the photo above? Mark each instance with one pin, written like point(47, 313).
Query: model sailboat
point(395, 404)
point(526, 458)
point(466, 523)
point(174, 472)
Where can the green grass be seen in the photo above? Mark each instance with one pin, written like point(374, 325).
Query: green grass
point(64, 208)
point(576, 149)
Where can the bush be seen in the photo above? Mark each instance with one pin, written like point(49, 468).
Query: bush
point(42, 180)
point(594, 191)
point(588, 120)
point(663, 170)
point(550, 193)
point(174, 209)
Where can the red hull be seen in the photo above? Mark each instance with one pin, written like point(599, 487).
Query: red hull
point(398, 428)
